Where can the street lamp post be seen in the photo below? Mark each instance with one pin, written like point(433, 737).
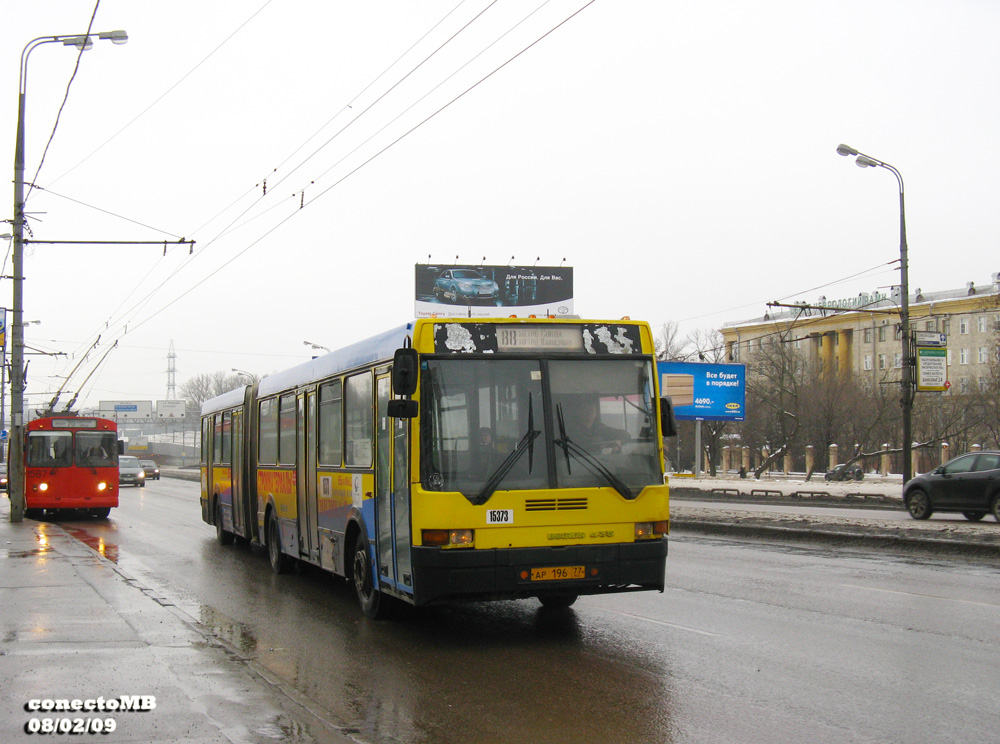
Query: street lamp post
point(318, 347)
point(866, 161)
point(16, 474)
point(245, 373)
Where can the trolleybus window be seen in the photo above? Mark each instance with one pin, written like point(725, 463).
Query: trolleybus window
point(330, 424)
point(97, 448)
point(286, 430)
point(359, 419)
point(49, 449)
point(268, 452)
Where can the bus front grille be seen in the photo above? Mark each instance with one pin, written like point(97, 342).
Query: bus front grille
point(554, 504)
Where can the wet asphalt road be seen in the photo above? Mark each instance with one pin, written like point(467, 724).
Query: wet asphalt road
point(750, 643)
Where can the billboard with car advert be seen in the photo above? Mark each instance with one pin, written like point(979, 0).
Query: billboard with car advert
point(704, 392)
point(485, 291)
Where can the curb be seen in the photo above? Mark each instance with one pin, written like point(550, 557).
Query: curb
point(862, 537)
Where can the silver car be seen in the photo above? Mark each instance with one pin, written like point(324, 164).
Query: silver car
point(459, 285)
point(130, 472)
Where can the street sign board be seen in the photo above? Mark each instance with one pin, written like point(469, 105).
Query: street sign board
point(126, 410)
point(704, 392)
point(932, 369)
point(930, 338)
point(174, 409)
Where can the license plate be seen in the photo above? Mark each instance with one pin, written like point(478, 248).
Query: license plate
point(557, 573)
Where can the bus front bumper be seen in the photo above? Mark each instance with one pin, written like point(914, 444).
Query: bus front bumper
point(447, 575)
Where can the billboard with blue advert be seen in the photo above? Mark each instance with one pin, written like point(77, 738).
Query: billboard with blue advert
point(704, 392)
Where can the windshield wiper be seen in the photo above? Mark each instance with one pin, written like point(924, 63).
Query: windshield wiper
point(589, 461)
point(527, 444)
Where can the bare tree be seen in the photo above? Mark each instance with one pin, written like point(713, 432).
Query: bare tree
point(669, 347)
point(204, 387)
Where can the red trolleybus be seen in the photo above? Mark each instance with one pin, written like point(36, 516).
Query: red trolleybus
point(453, 459)
point(70, 463)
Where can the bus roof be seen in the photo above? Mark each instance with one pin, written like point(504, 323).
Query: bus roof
point(227, 400)
point(370, 350)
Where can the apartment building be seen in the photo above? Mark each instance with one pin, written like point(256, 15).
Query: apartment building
point(861, 335)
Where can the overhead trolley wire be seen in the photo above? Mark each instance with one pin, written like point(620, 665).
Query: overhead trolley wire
point(368, 160)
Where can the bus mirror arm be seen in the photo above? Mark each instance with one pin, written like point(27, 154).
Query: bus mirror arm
point(668, 425)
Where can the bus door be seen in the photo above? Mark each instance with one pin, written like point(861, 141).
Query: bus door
point(401, 500)
point(305, 476)
point(237, 480)
point(383, 486)
point(392, 504)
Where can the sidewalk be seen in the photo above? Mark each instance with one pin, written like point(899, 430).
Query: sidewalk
point(953, 535)
point(75, 627)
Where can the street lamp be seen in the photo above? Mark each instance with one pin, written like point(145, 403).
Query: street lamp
point(866, 161)
point(242, 372)
point(16, 475)
point(318, 347)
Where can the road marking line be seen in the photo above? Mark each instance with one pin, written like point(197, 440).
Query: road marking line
point(916, 594)
point(661, 622)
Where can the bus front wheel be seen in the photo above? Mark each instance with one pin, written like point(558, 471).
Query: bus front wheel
point(373, 603)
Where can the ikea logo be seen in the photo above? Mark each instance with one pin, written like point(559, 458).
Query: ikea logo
point(733, 406)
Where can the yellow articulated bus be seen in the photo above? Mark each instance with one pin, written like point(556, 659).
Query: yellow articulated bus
point(453, 459)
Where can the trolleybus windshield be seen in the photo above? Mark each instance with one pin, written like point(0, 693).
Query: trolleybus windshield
point(520, 424)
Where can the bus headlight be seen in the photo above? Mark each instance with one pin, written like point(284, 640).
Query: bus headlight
point(102, 486)
point(651, 530)
point(43, 486)
point(448, 538)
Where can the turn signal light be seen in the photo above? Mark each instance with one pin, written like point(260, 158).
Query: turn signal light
point(651, 530)
point(448, 538)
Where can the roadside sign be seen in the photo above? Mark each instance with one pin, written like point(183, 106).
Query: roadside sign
point(930, 338)
point(932, 369)
point(704, 392)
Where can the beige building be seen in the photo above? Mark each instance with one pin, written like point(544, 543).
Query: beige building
point(861, 335)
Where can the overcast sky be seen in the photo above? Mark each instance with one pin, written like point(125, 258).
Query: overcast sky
point(681, 156)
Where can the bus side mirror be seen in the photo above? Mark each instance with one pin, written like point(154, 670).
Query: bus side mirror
point(404, 371)
point(121, 447)
point(405, 408)
point(667, 423)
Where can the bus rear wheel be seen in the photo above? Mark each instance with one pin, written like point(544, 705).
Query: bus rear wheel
point(558, 601)
point(224, 537)
point(280, 562)
point(373, 603)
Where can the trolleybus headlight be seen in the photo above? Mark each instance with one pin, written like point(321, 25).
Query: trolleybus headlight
point(449, 538)
point(651, 530)
point(43, 486)
point(102, 486)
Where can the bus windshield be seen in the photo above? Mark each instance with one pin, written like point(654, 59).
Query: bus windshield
point(521, 424)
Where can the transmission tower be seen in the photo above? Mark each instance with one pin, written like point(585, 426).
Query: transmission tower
point(171, 373)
